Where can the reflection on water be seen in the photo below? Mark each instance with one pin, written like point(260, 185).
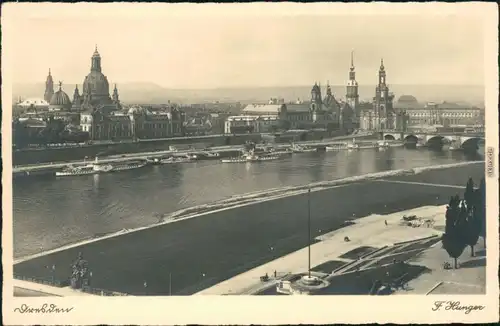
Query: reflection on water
point(50, 212)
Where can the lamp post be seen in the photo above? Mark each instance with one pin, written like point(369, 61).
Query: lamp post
point(309, 230)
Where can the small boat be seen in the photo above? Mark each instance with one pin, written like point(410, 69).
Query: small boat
point(336, 147)
point(302, 149)
point(154, 160)
point(97, 167)
point(176, 159)
point(382, 145)
point(251, 157)
point(420, 145)
point(396, 144)
point(210, 154)
point(352, 146)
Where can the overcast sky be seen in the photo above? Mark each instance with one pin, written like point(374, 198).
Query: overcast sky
point(204, 50)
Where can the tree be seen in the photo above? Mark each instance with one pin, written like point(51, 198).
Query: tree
point(452, 239)
point(469, 192)
point(481, 209)
point(470, 226)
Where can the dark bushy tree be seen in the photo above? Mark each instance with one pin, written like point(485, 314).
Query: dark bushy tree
point(471, 224)
point(452, 239)
point(469, 192)
point(481, 209)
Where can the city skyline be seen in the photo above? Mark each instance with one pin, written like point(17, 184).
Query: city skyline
point(211, 51)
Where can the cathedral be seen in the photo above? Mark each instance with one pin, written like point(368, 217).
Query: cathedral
point(95, 92)
point(382, 115)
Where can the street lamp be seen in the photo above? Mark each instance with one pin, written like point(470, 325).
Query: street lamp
point(309, 229)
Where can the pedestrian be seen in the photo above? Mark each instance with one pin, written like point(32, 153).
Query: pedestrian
point(385, 222)
point(275, 273)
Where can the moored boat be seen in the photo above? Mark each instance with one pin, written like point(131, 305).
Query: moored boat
point(352, 146)
point(251, 157)
point(176, 159)
point(209, 154)
point(302, 149)
point(97, 168)
point(336, 147)
point(382, 145)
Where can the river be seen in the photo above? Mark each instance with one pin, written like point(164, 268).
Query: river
point(50, 212)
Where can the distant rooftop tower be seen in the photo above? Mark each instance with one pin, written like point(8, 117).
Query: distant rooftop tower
point(49, 88)
point(352, 92)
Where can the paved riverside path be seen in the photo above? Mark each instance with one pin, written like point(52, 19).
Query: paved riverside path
point(203, 251)
point(369, 231)
point(25, 288)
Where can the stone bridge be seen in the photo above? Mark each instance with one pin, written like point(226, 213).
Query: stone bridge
point(458, 140)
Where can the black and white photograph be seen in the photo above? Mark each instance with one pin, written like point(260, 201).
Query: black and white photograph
point(170, 151)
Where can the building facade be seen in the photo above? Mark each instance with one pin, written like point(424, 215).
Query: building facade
point(135, 123)
point(443, 114)
point(319, 113)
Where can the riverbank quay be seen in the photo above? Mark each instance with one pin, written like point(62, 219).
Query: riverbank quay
point(224, 151)
point(108, 148)
point(196, 253)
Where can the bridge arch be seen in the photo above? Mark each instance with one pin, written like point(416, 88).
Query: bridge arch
point(411, 139)
point(438, 139)
point(389, 137)
point(471, 142)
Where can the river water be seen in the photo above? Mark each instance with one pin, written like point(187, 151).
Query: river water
point(50, 212)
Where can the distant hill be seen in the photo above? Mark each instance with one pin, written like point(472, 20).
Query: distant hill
point(155, 94)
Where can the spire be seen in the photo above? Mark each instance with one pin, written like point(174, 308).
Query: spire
point(49, 87)
point(116, 98)
point(352, 59)
point(60, 85)
point(382, 64)
point(328, 89)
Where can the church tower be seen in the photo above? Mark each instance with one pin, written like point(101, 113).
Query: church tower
point(96, 61)
point(49, 88)
point(383, 99)
point(316, 101)
point(77, 99)
point(116, 98)
point(352, 95)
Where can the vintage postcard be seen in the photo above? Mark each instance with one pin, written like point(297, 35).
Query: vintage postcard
point(261, 163)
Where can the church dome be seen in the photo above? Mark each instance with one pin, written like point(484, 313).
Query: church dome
point(96, 83)
point(407, 98)
point(60, 100)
